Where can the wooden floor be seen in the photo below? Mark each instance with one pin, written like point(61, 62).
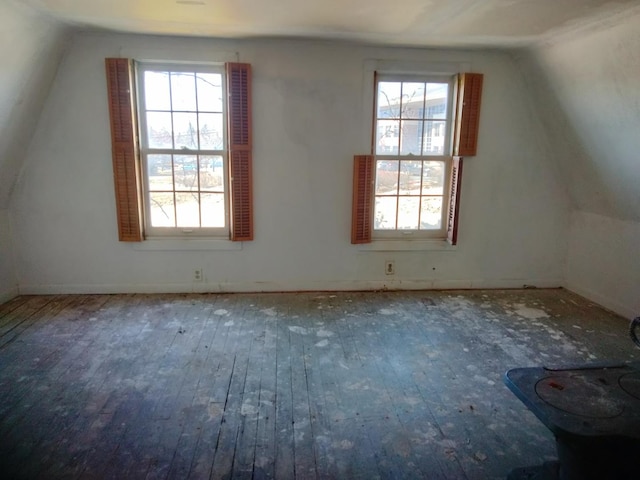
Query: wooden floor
point(310, 385)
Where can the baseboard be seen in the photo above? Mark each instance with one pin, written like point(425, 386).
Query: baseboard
point(627, 311)
point(272, 286)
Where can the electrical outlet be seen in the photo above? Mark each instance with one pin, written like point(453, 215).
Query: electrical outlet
point(197, 275)
point(389, 267)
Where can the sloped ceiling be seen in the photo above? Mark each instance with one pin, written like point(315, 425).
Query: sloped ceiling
point(586, 90)
point(30, 51)
point(494, 23)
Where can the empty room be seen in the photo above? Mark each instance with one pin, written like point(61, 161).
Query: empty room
point(319, 240)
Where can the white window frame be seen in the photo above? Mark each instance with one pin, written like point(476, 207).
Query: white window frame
point(445, 158)
point(145, 150)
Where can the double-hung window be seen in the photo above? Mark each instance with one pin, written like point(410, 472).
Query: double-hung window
point(409, 186)
point(412, 153)
point(183, 149)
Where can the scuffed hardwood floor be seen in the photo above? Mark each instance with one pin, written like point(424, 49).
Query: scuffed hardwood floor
point(369, 385)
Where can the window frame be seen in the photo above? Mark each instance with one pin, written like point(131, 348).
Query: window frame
point(468, 100)
point(125, 151)
point(446, 158)
point(144, 150)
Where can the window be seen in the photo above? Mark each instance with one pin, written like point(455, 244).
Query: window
point(183, 149)
point(410, 186)
point(189, 170)
point(412, 155)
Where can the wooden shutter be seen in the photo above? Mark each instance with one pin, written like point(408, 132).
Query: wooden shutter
point(361, 214)
point(240, 171)
point(454, 200)
point(126, 170)
point(468, 114)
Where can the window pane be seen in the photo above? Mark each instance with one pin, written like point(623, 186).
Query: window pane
point(185, 172)
point(209, 92)
point(185, 130)
point(412, 100)
point(183, 91)
point(385, 213)
point(182, 114)
point(387, 137)
point(436, 103)
point(387, 177)
point(159, 172)
point(411, 139)
point(411, 122)
point(187, 210)
point(212, 209)
point(431, 213)
point(433, 178)
point(156, 91)
point(162, 210)
point(211, 174)
point(434, 138)
point(410, 176)
point(159, 130)
point(389, 99)
point(211, 133)
point(408, 213)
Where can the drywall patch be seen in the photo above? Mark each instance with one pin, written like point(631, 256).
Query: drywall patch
point(528, 312)
point(324, 333)
point(299, 330)
point(248, 410)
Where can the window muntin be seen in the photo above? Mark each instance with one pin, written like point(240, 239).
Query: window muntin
point(183, 149)
point(412, 155)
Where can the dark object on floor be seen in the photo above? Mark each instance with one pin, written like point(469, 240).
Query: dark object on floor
point(593, 411)
point(547, 471)
point(635, 323)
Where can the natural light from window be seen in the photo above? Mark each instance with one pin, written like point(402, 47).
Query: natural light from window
point(411, 150)
point(183, 148)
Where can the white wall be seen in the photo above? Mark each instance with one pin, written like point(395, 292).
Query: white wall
point(308, 123)
point(604, 261)
point(8, 279)
point(587, 89)
point(30, 50)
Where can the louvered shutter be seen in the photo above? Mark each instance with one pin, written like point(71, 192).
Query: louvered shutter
point(361, 215)
point(239, 125)
point(454, 200)
point(124, 149)
point(468, 114)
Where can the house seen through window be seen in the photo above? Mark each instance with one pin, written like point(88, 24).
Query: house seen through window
point(412, 155)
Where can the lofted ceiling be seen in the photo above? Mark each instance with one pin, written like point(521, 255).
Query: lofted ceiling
point(469, 23)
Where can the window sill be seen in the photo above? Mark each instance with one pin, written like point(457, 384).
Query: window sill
point(186, 244)
point(407, 246)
